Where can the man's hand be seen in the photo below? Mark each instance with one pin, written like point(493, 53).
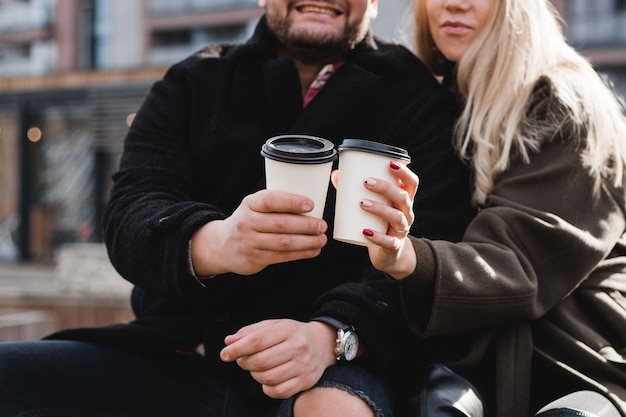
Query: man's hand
point(267, 228)
point(285, 356)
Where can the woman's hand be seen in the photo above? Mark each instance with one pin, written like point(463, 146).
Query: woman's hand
point(393, 253)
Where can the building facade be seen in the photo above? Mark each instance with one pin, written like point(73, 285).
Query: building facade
point(597, 28)
point(73, 72)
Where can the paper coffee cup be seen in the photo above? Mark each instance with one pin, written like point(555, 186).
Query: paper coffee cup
point(300, 164)
point(358, 160)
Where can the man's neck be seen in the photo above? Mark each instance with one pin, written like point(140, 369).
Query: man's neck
point(307, 73)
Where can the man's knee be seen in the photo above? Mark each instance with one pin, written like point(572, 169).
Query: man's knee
point(330, 402)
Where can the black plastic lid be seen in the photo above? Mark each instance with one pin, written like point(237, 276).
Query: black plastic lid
point(378, 148)
point(299, 149)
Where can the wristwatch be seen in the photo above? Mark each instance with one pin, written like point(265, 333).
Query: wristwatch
point(347, 339)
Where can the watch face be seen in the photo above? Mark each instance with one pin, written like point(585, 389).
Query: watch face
point(351, 346)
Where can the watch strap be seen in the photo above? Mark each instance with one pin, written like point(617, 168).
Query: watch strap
point(342, 330)
point(333, 323)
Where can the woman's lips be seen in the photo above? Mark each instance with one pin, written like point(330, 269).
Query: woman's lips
point(456, 27)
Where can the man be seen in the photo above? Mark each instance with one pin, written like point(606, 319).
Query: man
point(230, 279)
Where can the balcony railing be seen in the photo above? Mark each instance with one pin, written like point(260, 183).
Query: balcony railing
point(37, 58)
point(598, 30)
point(166, 54)
point(24, 16)
point(159, 7)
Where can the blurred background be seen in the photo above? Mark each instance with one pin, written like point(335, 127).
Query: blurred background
point(72, 75)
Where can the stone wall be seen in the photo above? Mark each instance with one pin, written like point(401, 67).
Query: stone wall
point(81, 289)
point(85, 269)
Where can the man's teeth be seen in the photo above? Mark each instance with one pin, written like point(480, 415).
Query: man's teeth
point(315, 9)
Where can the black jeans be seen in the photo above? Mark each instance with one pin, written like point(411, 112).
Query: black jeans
point(77, 379)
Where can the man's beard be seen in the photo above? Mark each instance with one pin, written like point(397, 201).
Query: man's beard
point(311, 48)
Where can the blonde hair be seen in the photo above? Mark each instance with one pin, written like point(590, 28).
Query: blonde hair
point(521, 44)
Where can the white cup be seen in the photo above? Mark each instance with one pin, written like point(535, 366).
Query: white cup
point(300, 164)
point(358, 160)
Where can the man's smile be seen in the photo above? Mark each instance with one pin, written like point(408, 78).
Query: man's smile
point(319, 8)
point(315, 9)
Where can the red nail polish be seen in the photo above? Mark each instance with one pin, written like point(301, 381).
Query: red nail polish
point(368, 232)
point(394, 165)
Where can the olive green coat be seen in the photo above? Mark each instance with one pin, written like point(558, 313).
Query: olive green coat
point(538, 283)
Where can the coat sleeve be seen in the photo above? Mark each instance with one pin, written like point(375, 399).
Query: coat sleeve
point(151, 214)
point(541, 233)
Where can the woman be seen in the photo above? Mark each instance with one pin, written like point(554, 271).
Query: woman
point(538, 285)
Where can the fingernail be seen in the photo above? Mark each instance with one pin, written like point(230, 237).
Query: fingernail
point(365, 203)
point(307, 206)
point(370, 182)
point(394, 165)
point(368, 232)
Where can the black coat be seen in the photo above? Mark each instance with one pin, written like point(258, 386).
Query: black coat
point(193, 153)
